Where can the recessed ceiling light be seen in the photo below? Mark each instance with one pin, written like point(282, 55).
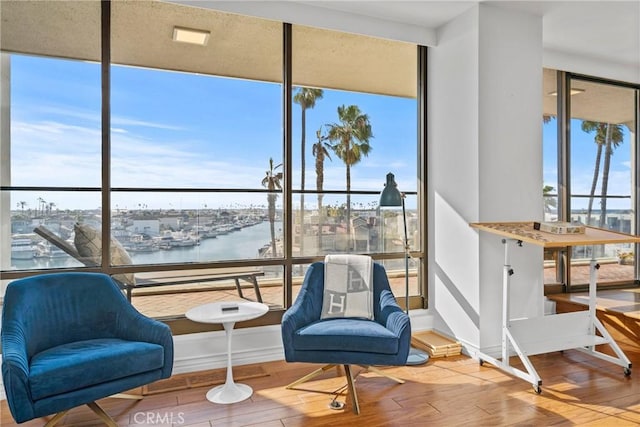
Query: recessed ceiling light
point(574, 91)
point(190, 35)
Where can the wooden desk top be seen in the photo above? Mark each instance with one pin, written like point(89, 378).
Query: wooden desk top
point(525, 232)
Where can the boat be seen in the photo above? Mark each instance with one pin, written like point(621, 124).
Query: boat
point(168, 242)
point(200, 232)
point(22, 249)
point(47, 250)
point(141, 246)
point(141, 243)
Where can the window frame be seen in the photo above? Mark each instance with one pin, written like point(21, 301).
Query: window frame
point(564, 194)
point(180, 324)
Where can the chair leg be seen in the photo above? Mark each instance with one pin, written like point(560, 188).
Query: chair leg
point(57, 417)
point(127, 396)
point(382, 373)
point(311, 375)
point(352, 390)
point(103, 415)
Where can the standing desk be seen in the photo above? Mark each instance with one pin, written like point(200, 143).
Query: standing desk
point(579, 330)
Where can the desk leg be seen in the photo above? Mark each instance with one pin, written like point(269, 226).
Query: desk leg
point(229, 392)
point(508, 341)
point(597, 326)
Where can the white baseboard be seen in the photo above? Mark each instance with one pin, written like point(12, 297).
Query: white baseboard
point(208, 350)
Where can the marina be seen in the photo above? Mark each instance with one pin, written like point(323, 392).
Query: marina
point(238, 241)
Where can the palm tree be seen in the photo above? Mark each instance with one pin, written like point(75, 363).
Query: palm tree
point(41, 204)
point(607, 137)
point(549, 202)
point(350, 142)
point(271, 182)
point(21, 205)
point(320, 150)
point(613, 138)
point(306, 97)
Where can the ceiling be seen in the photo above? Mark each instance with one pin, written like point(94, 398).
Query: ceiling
point(240, 46)
point(600, 30)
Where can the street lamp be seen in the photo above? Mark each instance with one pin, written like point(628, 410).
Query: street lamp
point(392, 197)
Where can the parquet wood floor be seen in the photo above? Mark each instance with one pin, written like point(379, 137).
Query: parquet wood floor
point(450, 391)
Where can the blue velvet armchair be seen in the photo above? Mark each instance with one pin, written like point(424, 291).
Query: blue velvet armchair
point(70, 339)
point(345, 341)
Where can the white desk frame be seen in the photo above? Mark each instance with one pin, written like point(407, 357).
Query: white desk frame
point(530, 336)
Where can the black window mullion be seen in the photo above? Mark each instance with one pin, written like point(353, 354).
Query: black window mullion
point(105, 67)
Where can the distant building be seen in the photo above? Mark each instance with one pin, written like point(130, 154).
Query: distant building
point(145, 226)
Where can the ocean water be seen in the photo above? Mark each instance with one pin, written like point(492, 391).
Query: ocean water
point(240, 244)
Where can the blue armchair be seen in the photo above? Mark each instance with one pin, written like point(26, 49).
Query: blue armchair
point(345, 341)
point(70, 339)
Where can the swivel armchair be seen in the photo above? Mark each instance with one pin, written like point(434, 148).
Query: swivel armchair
point(69, 339)
point(385, 340)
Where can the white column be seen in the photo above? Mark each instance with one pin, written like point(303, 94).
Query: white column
point(5, 164)
point(485, 164)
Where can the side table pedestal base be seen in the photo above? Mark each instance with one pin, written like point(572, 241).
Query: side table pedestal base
point(229, 393)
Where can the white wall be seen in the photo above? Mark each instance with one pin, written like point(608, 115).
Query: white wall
point(564, 61)
point(485, 164)
point(453, 170)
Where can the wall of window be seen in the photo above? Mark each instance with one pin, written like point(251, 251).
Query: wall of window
point(187, 163)
point(594, 149)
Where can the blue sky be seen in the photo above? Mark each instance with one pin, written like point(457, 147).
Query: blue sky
point(583, 153)
point(173, 129)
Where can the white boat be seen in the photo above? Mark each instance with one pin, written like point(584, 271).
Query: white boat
point(178, 241)
point(22, 249)
point(47, 250)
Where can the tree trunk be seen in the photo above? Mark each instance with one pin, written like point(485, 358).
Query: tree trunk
point(608, 153)
point(348, 208)
point(596, 173)
point(272, 220)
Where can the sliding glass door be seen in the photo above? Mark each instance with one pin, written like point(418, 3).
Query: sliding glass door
point(603, 178)
point(590, 148)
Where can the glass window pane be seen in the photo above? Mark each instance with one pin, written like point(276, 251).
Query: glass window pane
point(550, 145)
point(161, 227)
point(53, 213)
point(354, 120)
point(50, 131)
point(602, 165)
point(55, 122)
point(175, 292)
point(51, 86)
point(194, 116)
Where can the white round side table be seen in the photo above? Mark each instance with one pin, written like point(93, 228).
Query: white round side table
point(230, 391)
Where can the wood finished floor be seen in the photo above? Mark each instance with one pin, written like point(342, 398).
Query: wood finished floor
point(450, 391)
point(453, 391)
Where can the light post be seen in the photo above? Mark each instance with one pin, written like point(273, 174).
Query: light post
point(392, 197)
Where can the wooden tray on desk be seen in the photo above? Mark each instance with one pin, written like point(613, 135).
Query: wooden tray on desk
point(525, 232)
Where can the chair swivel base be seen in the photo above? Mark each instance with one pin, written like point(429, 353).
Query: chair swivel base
point(97, 410)
point(94, 407)
point(350, 381)
point(417, 357)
